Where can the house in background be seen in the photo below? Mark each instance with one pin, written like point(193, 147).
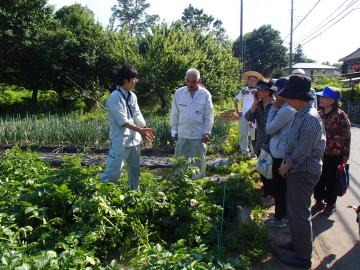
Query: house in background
point(351, 63)
point(351, 73)
point(312, 69)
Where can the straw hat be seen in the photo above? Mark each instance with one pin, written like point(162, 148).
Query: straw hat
point(255, 74)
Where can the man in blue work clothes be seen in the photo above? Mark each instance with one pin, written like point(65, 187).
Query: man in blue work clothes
point(127, 129)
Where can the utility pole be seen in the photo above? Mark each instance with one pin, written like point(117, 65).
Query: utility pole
point(241, 39)
point(291, 37)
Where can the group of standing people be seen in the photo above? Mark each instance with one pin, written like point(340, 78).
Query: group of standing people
point(307, 146)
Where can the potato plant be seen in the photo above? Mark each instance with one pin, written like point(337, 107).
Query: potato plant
point(65, 219)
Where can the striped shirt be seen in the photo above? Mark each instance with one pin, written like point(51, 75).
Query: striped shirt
point(306, 142)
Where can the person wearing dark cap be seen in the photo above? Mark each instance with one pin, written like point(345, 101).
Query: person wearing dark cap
point(279, 122)
point(337, 151)
point(263, 100)
point(302, 168)
point(301, 72)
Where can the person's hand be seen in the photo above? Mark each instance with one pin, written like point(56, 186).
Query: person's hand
point(205, 138)
point(148, 134)
point(284, 170)
point(277, 104)
point(254, 105)
point(240, 114)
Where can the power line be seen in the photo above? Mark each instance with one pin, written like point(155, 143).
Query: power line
point(314, 32)
point(330, 26)
point(320, 24)
point(264, 52)
point(307, 14)
point(317, 29)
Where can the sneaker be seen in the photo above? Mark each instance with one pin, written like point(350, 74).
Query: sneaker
point(274, 223)
point(253, 155)
point(245, 154)
point(268, 201)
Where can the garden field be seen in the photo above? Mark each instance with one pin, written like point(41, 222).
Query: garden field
point(65, 219)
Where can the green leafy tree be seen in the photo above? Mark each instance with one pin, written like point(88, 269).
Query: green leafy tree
point(170, 50)
point(84, 56)
point(195, 19)
point(299, 56)
point(131, 16)
point(264, 50)
point(22, 61)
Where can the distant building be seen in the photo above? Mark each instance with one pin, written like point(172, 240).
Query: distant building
point(312, 69)
point(351, 63)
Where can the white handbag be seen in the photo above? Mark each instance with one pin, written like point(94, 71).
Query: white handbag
point(264, 164)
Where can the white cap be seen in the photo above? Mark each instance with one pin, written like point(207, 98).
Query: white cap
point(298, 71)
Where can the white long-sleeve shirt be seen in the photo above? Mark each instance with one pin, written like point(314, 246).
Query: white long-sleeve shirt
point(191, 118)
point(119, 116)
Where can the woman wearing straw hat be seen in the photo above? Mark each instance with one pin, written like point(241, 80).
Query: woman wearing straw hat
point(247, 98)
point(337, 151)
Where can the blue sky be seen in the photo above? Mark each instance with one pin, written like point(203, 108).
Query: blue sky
point(339, 41)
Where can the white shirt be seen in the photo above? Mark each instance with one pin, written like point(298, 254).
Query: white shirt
point(246, 95)
point(119, 116)
point(191, 118)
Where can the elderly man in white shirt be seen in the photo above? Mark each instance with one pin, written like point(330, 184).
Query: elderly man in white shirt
point(191, 120)
point(127, 128)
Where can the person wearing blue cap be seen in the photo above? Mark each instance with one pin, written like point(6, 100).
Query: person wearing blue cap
point(278, 125)
point(337, 151)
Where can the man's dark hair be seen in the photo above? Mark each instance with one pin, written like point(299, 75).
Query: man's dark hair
point(126, 72)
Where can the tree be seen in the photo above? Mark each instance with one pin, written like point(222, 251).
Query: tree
point(84, 56)
point(264, 50)
point(195, 19)
point(299, 56)
point(131, 16)
point(167, 53)
point(22, 61)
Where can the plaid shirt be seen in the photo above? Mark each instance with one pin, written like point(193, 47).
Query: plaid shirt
point(306, 142)
point(260, 115)
point(337, 127)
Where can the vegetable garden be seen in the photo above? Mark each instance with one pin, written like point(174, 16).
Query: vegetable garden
point(64, 218)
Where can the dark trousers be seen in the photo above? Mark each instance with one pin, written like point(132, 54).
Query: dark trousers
point(300, 187)
point(325, 189)
point(279, 188)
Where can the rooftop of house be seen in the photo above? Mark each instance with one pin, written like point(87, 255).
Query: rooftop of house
point(352, 56)
point(312, 66)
